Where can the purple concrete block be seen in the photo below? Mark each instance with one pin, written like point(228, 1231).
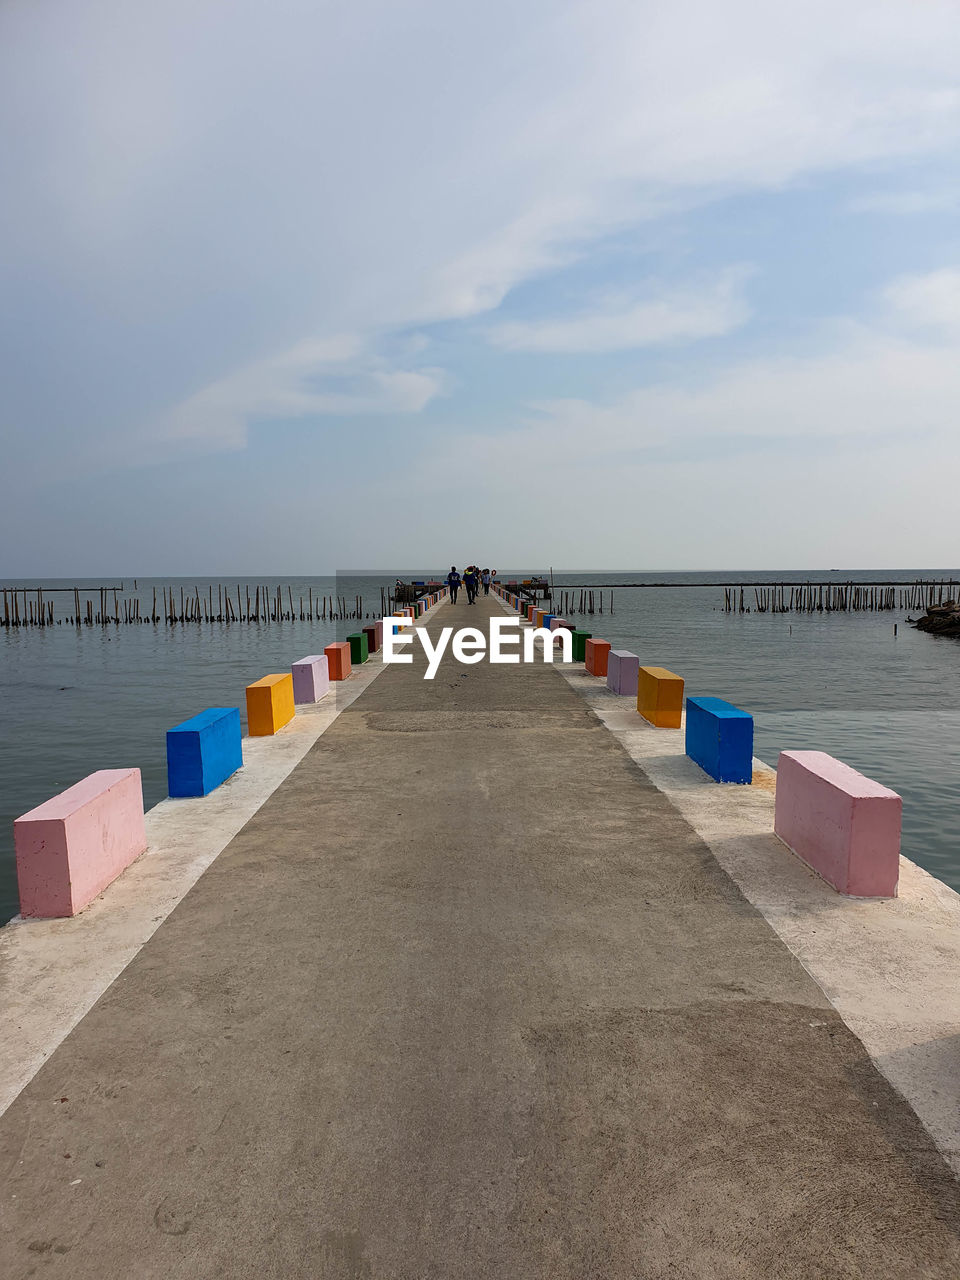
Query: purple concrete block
point(843, 825)
point(623, 669)
point(72, 846)
point(311, 678)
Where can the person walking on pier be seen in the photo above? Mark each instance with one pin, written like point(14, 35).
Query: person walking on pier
point(470, 582)
point(485, 579)
point(453, 582)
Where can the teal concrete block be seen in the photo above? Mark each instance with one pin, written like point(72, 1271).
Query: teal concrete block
point(359, 648)
point(580, 639)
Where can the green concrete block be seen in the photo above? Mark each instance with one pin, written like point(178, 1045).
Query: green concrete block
point(580, 639)
point(359, 648)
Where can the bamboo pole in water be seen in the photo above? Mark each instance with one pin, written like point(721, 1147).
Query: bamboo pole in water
point(30, 607)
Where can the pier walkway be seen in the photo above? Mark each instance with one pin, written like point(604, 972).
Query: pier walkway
point(467, 998)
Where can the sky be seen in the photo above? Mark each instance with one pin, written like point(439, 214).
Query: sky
point(307, 286)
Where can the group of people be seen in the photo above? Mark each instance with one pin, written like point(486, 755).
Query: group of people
point(472, 580)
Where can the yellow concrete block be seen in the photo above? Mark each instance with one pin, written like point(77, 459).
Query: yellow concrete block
point(660, 697)
point(269, 704)
point(541, 614)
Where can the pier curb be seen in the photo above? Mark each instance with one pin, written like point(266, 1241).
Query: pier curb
point(889, 966)
point(53, 971)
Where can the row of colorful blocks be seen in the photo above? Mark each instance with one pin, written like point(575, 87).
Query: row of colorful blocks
point(546, 621)
point(845, 826)
point(205, 750)
point(420, 606)
point(72, 846)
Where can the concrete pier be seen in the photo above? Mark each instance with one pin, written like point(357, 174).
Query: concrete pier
point(466, 998)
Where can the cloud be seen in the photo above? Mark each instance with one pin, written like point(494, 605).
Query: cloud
point(314, 378)
point(876, 384)
point(191, 187)
point(620, 322)
point(907, 202)
point(927, 302)
point(843, 456)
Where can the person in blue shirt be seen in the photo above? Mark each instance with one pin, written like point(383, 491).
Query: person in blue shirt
point(470, 582)
point(453, 582)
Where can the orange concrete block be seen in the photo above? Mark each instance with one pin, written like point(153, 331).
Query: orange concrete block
point(338, 659)
point(270, 704)
point(660, 697)
point(596, 652)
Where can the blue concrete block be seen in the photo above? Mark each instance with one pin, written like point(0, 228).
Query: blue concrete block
point(719, 737)
point(547, 619)
point(203, 752)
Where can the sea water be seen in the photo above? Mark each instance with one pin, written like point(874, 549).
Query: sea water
point(73, 700)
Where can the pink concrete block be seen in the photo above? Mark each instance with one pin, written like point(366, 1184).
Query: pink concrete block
point(843, 825)
point(311, 678)
point(558, 622)
point(623, 668)
point(72, 846)
point(379, 625)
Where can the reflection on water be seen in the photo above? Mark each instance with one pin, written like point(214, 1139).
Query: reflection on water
point(74, 701)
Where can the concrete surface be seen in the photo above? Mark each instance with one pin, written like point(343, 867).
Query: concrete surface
point(468, 997)
point(890, 967)
point(53, 971)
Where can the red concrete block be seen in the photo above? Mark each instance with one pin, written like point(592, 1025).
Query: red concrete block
point(338, 659)
point(596, 654)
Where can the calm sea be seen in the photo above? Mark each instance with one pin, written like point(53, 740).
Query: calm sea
point(73, 701)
